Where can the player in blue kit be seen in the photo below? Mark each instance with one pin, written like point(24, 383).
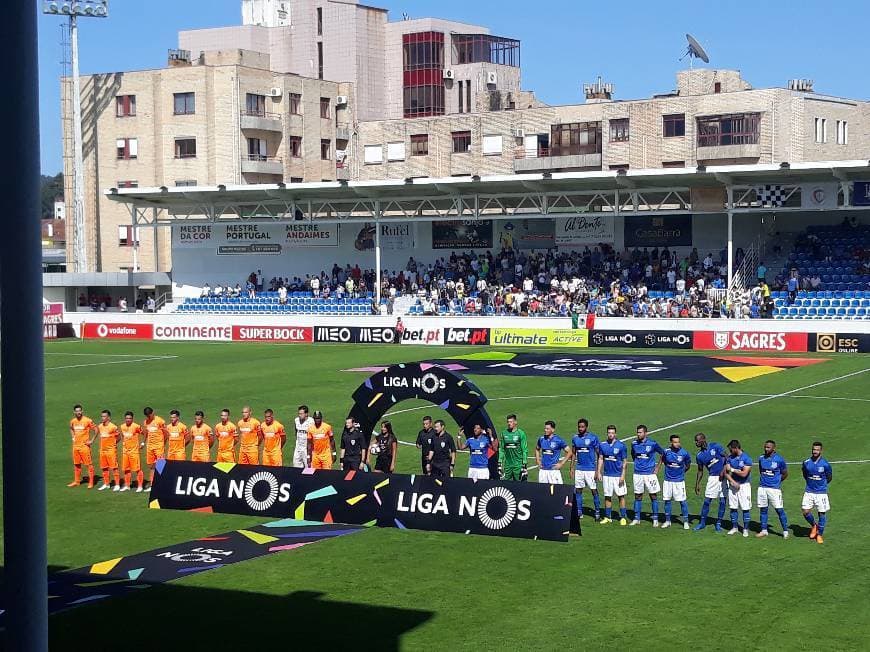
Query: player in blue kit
point(479, 445)
point(738, 468)
point(711, 456)
point(818, 475)
point(676, 461)
point(585, 464)
point(548, 452)
point(773, 471)
point(646, 469)
point(611, 472)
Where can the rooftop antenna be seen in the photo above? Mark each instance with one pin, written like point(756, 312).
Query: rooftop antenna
point(694, 51)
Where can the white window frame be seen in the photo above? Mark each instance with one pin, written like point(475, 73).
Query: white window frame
point(373, 154)
point(492, 145)
point(821, 126)
point(842, 132)
point(396, 151)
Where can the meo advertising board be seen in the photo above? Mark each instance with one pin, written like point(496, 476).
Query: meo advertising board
point(555, 337)
point(750, 341)
point(355, 334)
point(117, 331)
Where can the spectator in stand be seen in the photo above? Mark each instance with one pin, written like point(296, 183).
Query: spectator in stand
point(315, 286)
point(792, 286)
point(259, 280)
point(282, 295)
point(251, 289)
point(122, 304)
point(206, 290)
point(761, 273)
point(150, 304)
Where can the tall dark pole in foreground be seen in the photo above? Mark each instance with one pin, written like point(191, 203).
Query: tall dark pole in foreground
point(21, 368)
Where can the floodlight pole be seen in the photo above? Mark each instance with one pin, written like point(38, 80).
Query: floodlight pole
point(378, 262)
point(21, 364)
point(80, 248)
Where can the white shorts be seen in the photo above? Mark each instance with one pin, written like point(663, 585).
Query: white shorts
point(611, 487)
point(300, 458)
point(741, 497)
point(648, 483)
point(716, 487)
point(819, 501)
point(674, 490)
point(584, 479)
point(768, 496)
point(478, 474)
point(550, 477)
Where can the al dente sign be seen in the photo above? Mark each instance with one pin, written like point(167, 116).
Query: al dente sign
point(254, 238)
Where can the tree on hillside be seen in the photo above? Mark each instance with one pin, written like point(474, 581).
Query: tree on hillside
point(52, 188)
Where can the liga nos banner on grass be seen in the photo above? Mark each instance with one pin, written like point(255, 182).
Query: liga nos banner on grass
point(509, 509)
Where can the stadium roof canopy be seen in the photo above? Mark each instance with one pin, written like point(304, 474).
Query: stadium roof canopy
point(727, 189)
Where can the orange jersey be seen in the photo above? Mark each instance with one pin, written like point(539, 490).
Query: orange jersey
point(319, 438)
point(200, 436)
point(249, 434)
point(108, 435)
point(130, 436)
point(226, 434)
point(81, 429)
point(154, 432)
point(176, 437)
point(272, 434)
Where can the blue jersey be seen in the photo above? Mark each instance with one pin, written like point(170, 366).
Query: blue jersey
point(614, 456)
point(550, 451)
point(818, 474)
point(771, 469)
point(479, 449)
point(644, 456)
point(712, 458)
point(586, 451)
point(738, 463)
point(676, 463)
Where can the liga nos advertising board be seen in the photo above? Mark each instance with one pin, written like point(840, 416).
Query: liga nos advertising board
point(750, 341)
point(511, 509)
point(641, 339)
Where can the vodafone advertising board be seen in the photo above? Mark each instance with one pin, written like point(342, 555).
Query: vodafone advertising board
point(285, 334)
point(117, 331)
point(750, 341)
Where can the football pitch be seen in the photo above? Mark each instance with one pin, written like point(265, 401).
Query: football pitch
point(400, 589)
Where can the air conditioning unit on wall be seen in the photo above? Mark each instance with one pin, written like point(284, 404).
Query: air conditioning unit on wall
point(491, 78)
point(449, 74)
point(341, 100)
point(275, 92)
point(519, 133)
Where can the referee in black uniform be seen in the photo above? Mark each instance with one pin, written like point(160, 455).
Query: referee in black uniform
point(442, 456)
point(353, 447)
point(424, 442)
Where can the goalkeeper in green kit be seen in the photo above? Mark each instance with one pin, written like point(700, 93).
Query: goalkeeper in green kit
point(513, 451)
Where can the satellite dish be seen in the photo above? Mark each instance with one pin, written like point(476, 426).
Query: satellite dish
point(695, 51)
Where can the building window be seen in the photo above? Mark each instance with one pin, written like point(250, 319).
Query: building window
point(483, 48)
point(673, 164)
point(575, 138)
point(296, 179)
point(619, 166)
point(184, 103)
point(619, 130)
point(125, 106)
point(295, 103)
point(257, 149)
point(320, 59)
point(674, 126)
point(185, 148)
point(373, 154)
point(127, 235)
point(491, 145)
point(396, 151)
point(128, 184)
point(737, 129)
point(842, 132)
point(420, 145)
point(255, 104)
point(461, 142)
point(320, 21)
point(295, 145)
point(495, 100)
point(185, 183)
point(128, 148)
point(821, 130)
point(325, 150)
point(423, 74)
point(324, 108)
point(717, 87)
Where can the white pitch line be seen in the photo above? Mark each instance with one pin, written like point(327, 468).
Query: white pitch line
point(757, 401)
point(102, 355)
point(99, 364)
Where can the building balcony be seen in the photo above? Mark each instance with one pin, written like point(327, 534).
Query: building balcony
point(259, 164)
point(342, 131)
point(545, 159)
point(262, 121)
point(718, 148)
point(342, 171)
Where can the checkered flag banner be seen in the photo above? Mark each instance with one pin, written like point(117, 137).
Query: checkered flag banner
point(771, 196)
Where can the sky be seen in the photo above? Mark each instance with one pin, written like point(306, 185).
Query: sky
point(633, 44)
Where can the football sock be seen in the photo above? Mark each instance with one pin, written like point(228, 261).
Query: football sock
point(655, 509)
point(636, 510)
point(823, 520)
point(809, 518)
point(764, 518)
point(783, 519)
point(684, 510)
point(667, 510)
point(705, 510)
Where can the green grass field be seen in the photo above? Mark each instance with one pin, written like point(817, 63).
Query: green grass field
point(389, 589)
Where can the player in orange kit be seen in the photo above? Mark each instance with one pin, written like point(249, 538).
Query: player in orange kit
point(203, 439)
point(321, 443)
point(80, 428)
point(178, 435)
point(155, 441)
point(273, 437)
point(249, 438)
point(227, 436)
point(109, 434)
point(131, 438)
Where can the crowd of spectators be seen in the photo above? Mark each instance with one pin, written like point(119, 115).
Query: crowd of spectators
point(105, 302)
